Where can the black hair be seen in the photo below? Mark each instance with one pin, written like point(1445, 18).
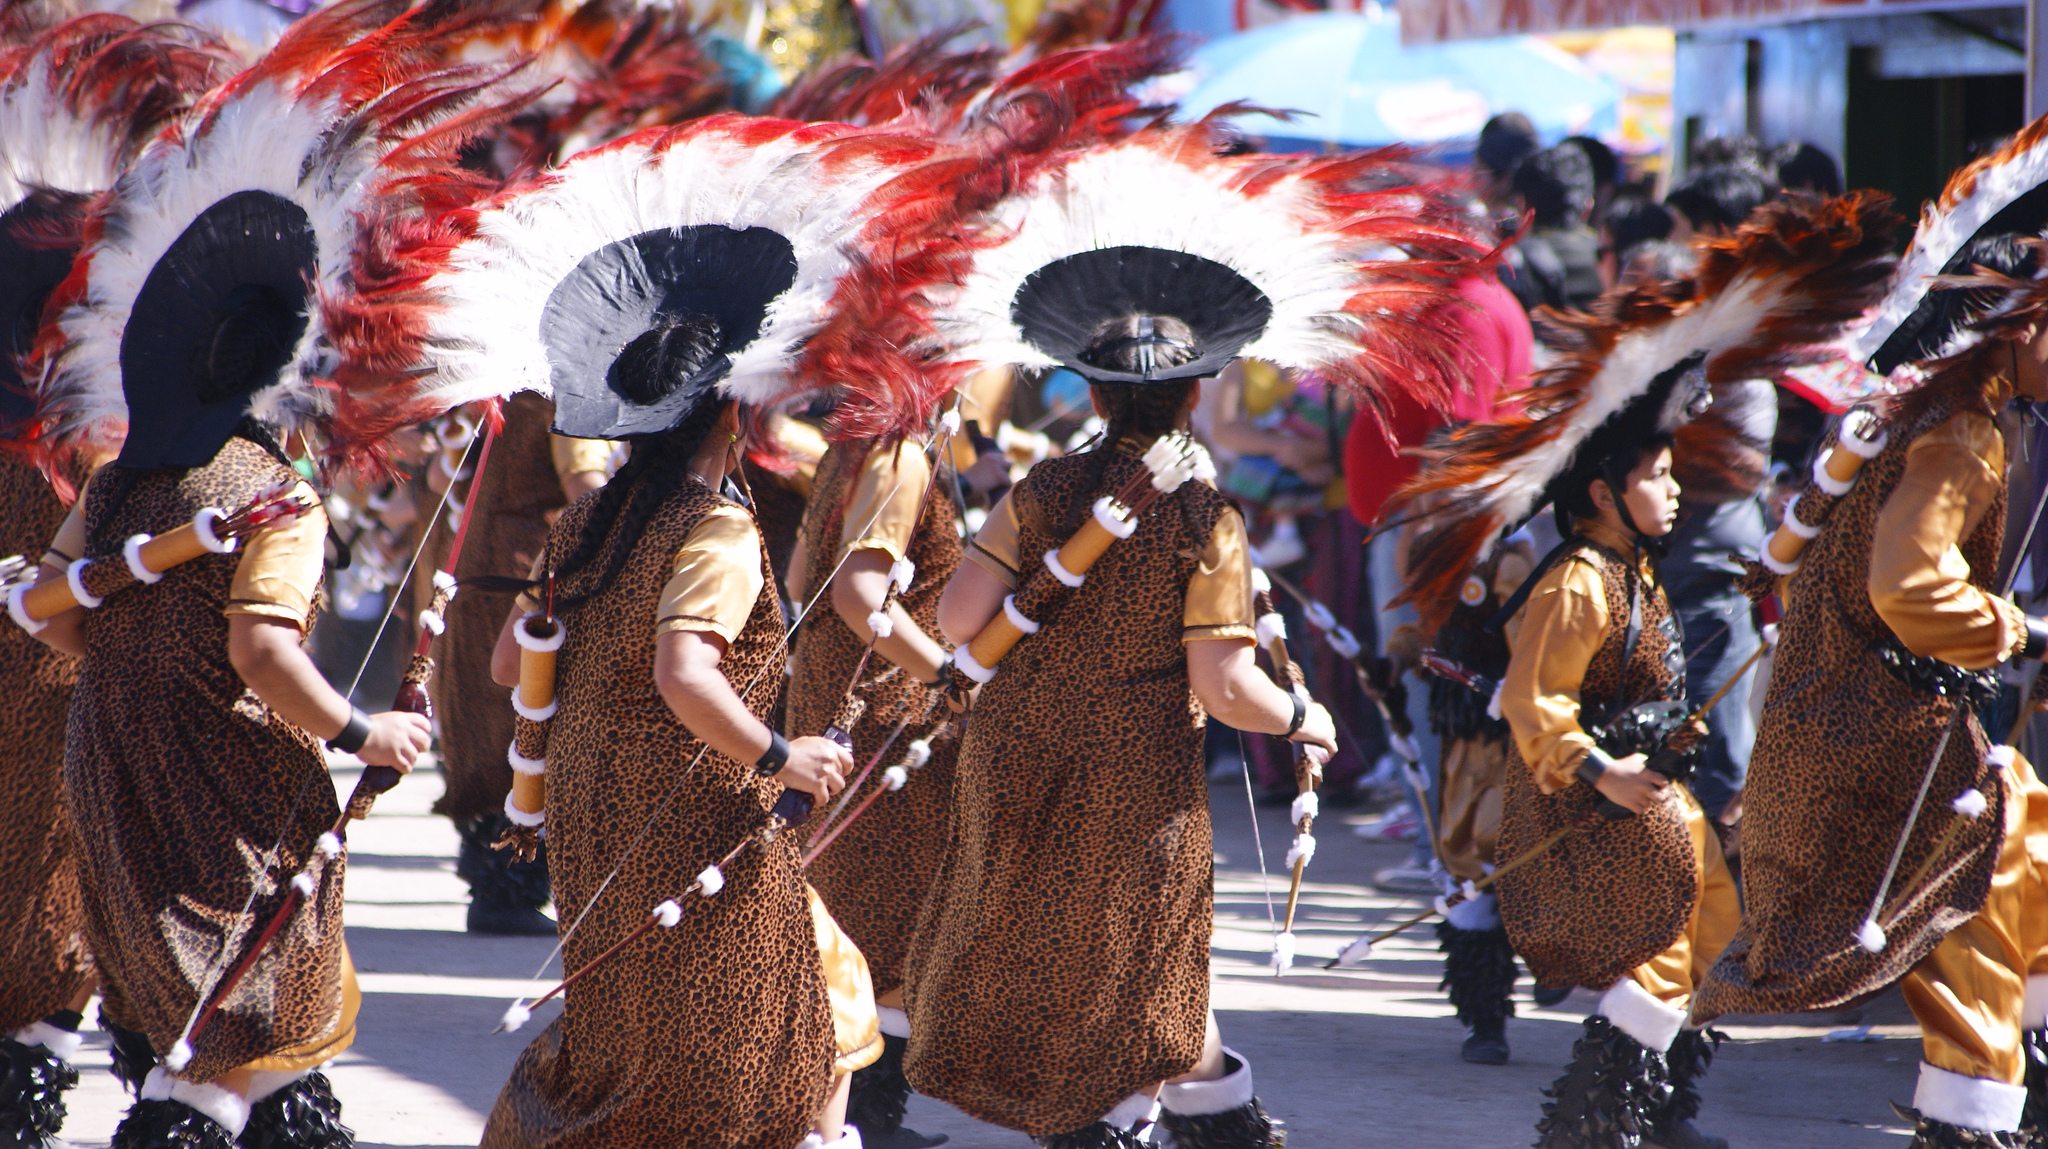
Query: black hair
point(1574, 497)
point(1139, 344)
point(1505, 141)
point(665, 357)
point(1606, 165)
point(1557, 185)
point(1944, 312)
point(1718, 197)
point(1801, 166)
point(1727, 151)
point(1633, 220)
point(248, 346)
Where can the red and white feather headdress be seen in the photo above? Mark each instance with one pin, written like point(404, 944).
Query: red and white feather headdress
point(478, 314)
point(1984, 196)
point(1342, 265)
point(354, 113)
point(1760, 302)
point(77, 102)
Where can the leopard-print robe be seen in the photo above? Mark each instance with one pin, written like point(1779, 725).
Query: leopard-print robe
point(716, 1033)
point(1062, 960)
point(1610, 897)
point(874, 876)
point(180, 780)
point(510, 504)
point(44, 963)
point(1840, 753)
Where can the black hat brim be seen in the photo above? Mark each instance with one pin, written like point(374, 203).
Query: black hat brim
point(251, 239)
point(619, 291)
point(1060, 306)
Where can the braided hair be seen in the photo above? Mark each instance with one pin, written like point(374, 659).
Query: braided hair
point(654, 365)
point(1137, 344)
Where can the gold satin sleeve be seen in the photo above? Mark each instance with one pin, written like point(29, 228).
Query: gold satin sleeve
point(996, 545)
point(887, 500)
point(1919, 580)
point(280, 570)
point(578, 456)
point(1561, 628)
point(1219, 598)
point(69, 545)
point(716, 579)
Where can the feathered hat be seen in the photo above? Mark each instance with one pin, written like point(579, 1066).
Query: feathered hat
point(76, 103)
point(741, 227)
point(2003, 193)
point(1760, 302)
point(191, 307)
point(1341, 264)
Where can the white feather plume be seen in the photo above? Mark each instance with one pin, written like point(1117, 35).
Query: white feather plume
point(484, 340)
point(44, 143)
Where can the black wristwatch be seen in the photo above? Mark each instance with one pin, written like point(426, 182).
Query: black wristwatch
point(353, 734)
point(774, 758)
point(2036, 643)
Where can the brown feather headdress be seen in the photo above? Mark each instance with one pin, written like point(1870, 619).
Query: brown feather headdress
point(1760, 302)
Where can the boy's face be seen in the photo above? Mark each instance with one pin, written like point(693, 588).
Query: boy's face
point(1651, 494)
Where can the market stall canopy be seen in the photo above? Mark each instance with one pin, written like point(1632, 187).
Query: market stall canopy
point(1357, 85)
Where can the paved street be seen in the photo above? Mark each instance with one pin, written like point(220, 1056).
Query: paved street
point(1365, 1058)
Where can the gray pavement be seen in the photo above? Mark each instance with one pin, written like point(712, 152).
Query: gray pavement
point(1353, 1058)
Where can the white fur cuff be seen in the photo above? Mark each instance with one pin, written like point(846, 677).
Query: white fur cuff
point(521, 764)
point(1827, 482)
point(1798, 526)
point(1231, 1091)
point(17, 609)
point(1016, 616)
point(1636, 1012)
point(2034, 1015)
point(1105, 514)
point(547, 645)
point(1067, 578)
point(534, 713)
point(226, 1107)
point(1270, 627)
point(63, 1044)
point(203, 525)
point(1478, 915)
point(75, 576)
point(1974, 1103)
point(1344, 642)
point(1776, 567)
point(519, 817)
point(1131, 1110)
point(895, 1022)
point(131, 553)
point(1862, 435)
point(963, 661)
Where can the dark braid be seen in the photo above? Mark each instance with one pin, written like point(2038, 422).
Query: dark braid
point(659, 466)
point(1138, 411)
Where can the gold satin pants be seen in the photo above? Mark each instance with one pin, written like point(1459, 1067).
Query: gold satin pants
point(1671, 976)
point(1967, 994)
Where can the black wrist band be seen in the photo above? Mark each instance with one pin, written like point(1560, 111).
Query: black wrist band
point(354, 734)
point(1593, 767)
point(2036, 644)
point(1300, 713)
point(945, 674)
point(774, 758)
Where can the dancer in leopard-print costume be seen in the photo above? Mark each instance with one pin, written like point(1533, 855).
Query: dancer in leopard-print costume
point(1891, 832)
point(1610, 876)
point(872, 505)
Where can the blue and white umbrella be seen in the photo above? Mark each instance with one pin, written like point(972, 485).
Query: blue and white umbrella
point(1357, 84)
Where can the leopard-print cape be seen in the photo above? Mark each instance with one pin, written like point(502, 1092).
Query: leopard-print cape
point(716, 1032)
point(1062, 960)
point(508, 505)
point(874, 876)
point(181, 779)
point(44, 962)
point(1840, 753)
point(1606, 899)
